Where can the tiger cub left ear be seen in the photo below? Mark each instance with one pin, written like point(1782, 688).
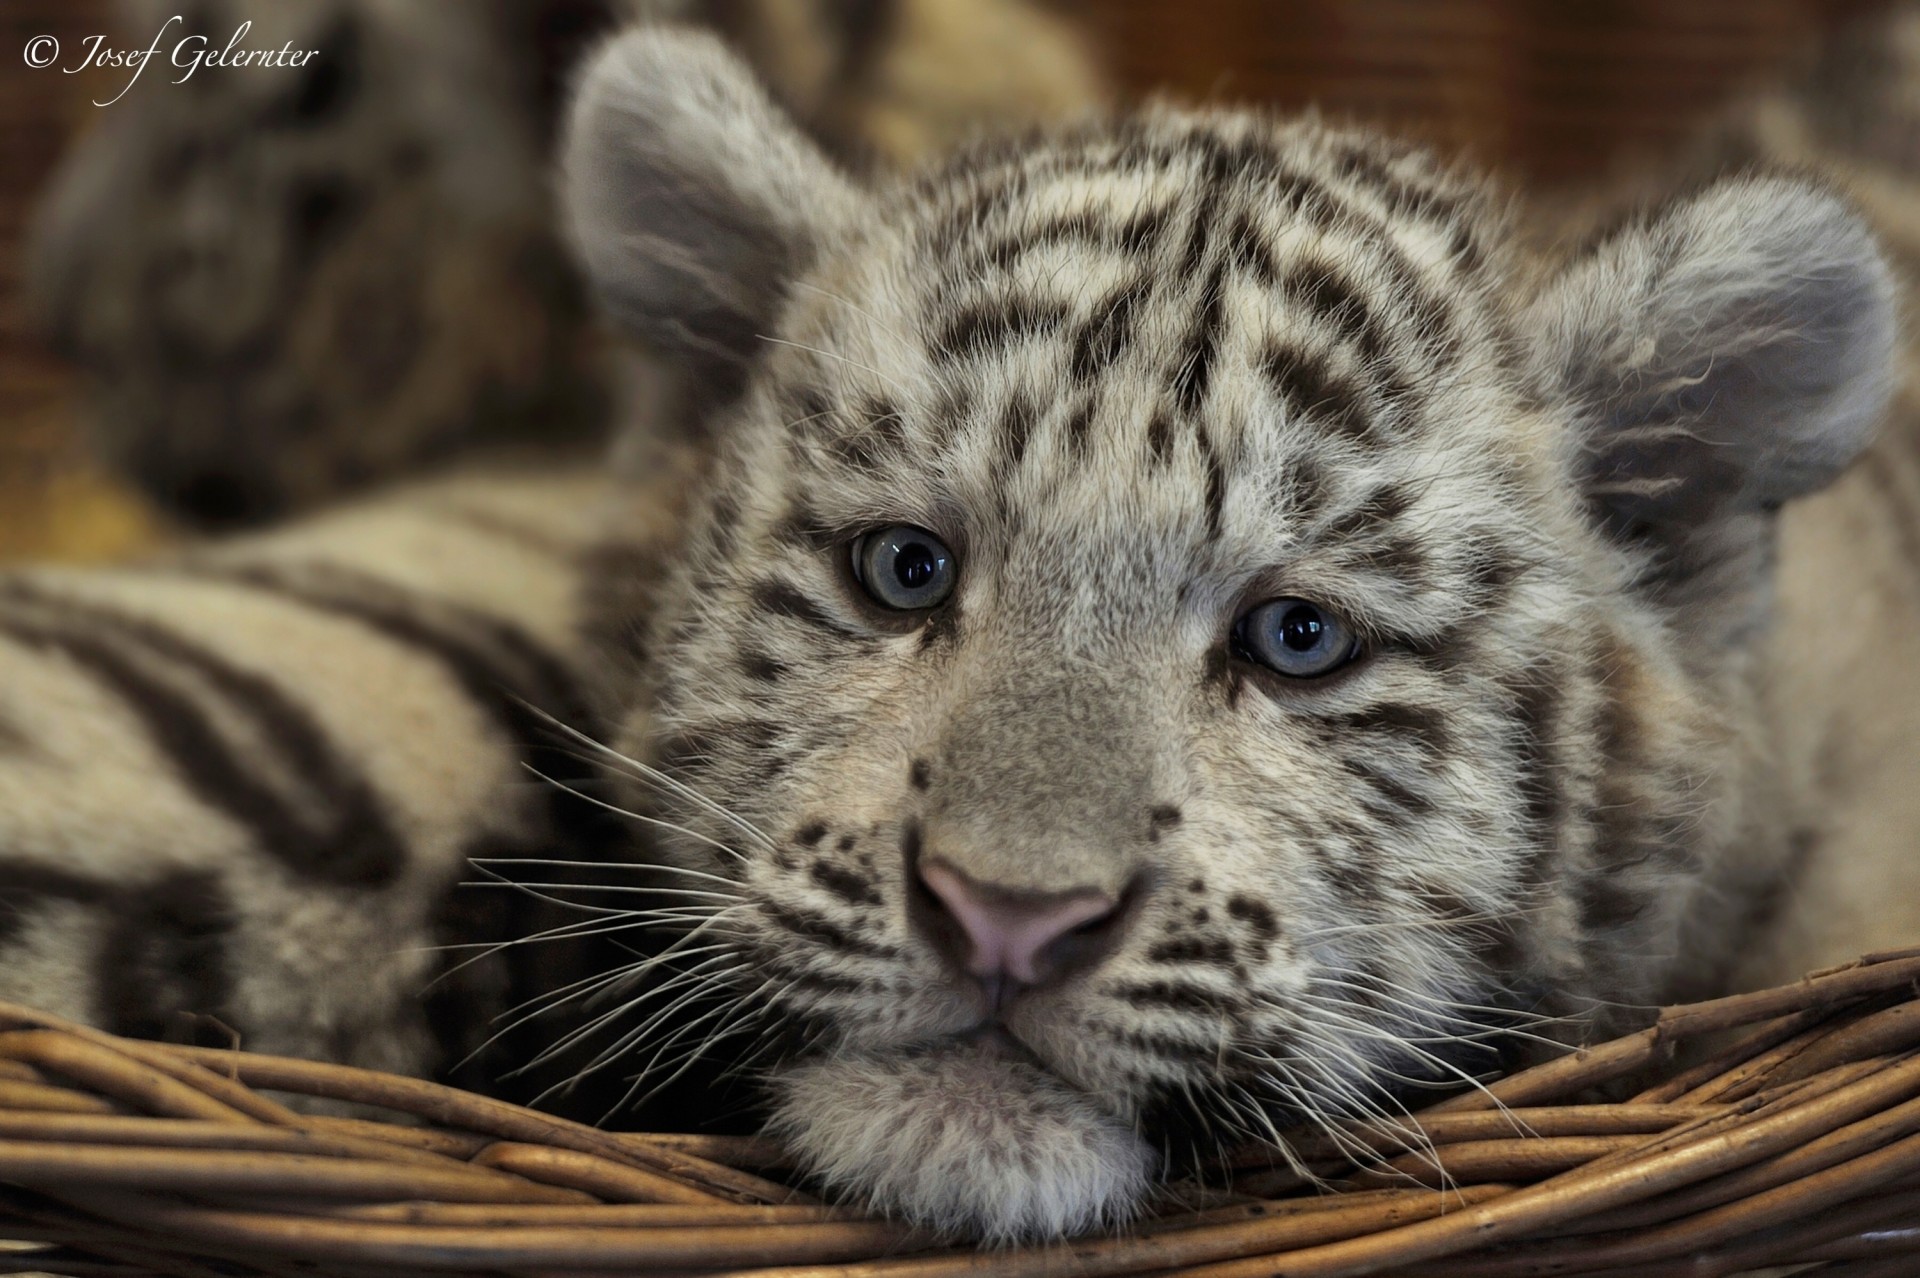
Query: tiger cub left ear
point(1731, 353)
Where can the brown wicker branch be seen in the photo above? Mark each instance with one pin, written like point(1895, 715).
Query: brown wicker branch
point(1794, 1136)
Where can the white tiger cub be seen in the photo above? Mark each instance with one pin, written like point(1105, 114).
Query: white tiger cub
point(1192, 626)
point(239, 785)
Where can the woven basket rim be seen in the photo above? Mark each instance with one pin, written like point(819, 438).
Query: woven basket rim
point(1795, 1137)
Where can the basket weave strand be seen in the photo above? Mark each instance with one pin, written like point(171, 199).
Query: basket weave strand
point(1794, 1137)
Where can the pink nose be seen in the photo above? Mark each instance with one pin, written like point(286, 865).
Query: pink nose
point(1009, 933)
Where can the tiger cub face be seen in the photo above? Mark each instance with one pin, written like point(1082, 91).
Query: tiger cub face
point(1188, 631)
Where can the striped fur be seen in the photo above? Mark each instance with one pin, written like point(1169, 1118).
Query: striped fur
point(239, 786)
point(1140, 377)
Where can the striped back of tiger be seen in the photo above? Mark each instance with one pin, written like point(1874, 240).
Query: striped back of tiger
point(240, 787)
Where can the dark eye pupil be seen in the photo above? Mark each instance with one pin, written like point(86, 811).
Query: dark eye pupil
point(915, 566)
point(1301, 629)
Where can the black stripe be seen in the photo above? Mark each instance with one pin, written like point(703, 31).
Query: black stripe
point(1081, 227)
point(1406, 196)
point(782, 599)
point(1016, 430)
point(1133, 237)
point(1491, 573)
point(1160, 438)
point(1431, 316)
point(355, 844)
point(1195, 371)
point(1079, 426)
point(800, 978)
point(984, 328)
point(850, 887)
point(1217, 161)
point(1256, 914)
point(1249, 252)
point(1167, 1046)
point(1175, 994)
point(1390, 789)
point(1201, 951)
point(823, 931)
point(1338, 302)
point(1104, 338)
point(1138, 233)
point(1537, 772)
point(1381, 506)
point(162, 971)
point(1422, 724)
point(1216, 496)
point(1311, 388)
point(762, 668)
point(1403, 556)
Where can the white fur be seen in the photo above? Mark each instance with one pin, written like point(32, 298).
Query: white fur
point(964, 1141)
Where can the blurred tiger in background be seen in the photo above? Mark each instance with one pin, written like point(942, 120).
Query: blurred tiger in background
point(282, 285)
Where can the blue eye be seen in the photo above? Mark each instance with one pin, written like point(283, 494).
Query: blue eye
point(1295, 638)
point(904, 568)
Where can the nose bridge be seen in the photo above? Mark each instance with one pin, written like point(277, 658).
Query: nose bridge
point(1048, 775)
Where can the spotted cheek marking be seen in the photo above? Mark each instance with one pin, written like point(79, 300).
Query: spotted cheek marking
point(846, 883)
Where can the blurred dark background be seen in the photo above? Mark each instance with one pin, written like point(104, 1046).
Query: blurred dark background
point(1553, 92)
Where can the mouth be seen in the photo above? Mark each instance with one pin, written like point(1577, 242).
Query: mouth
point(971, 1135)
point(992, 1039)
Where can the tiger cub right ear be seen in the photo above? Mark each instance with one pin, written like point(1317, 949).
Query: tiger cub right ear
point(1730, 353)
point(691, 198)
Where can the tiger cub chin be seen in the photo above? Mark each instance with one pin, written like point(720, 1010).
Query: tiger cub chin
point(1193, 629)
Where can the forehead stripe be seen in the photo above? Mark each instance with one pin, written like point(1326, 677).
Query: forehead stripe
point(1311, 388)
point(1194, 373)
point(985, 328)
point(1106, 335)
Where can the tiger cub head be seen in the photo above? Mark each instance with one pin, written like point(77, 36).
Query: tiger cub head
point(1189, 629)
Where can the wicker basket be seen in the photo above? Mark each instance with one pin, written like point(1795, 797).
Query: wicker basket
point(1796, 1141)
